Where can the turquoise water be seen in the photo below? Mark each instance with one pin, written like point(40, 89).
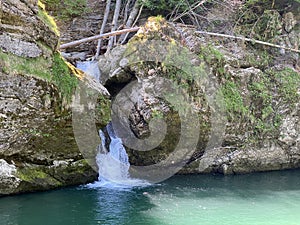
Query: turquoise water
point(264, 198)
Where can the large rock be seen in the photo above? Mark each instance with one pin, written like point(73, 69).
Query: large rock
point(256, 114)
point(27, 26)
point(38, 150)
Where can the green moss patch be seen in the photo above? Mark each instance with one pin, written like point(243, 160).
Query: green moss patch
point(213, 57)
point(259, 59)
point(62, 77)
point(52, 69)
point(233, 100)
point(43, 15)
point(288, 83)
point(103, 109)
point(36, 175)
point(267, 93)
point(264, 117)
point(38, 67)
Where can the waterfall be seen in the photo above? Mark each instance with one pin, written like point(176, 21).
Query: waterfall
point(113, 164)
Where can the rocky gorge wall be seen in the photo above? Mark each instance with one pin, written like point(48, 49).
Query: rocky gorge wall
point(260, 93)
point(77, 20)
point(259, 89)
point(38, 150)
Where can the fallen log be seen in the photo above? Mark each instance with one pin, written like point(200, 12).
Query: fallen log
point(96, 37)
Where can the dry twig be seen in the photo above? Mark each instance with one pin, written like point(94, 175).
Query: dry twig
point(190, 10)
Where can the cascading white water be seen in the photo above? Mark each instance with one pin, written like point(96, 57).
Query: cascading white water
point(113, 163)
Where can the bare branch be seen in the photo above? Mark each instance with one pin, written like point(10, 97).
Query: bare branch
point(124, 36)
point(138, 16)
point(190, 9)
point(254, 41)
point(130, 19)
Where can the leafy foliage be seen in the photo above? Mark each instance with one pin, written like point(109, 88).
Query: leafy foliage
point(166, 7)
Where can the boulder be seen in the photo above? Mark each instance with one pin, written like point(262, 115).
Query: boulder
point(244, 104)
point(38, 149)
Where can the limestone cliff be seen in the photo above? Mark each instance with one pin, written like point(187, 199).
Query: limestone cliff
point(38, 150)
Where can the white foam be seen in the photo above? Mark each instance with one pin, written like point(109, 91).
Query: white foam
point(114, 165)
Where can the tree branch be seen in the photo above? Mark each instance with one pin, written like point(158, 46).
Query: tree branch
point(134, 23)
point(130, 19)
point(254, 41)
point(191, 8)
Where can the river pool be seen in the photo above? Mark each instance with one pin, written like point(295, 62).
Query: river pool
point(263, 198)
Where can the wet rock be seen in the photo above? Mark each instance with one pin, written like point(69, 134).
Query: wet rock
point(74, 56)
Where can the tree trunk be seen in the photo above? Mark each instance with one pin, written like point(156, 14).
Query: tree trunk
point(126, 10)
point(114, 24)
point(106, 13)
point(130, 20)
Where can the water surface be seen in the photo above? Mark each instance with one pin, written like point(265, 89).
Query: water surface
point(263, 198)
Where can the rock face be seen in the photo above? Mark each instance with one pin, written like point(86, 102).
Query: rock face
point(248, 116)
point(23, 25)
point(85, 23)
point(38, 150)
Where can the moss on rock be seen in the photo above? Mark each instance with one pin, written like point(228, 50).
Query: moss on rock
point(62, 77)
point(36, 176)
point(36, 121)
point(53, 70)
point(48, 20)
